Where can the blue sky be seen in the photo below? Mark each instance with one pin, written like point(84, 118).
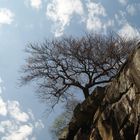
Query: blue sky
point(24, 21)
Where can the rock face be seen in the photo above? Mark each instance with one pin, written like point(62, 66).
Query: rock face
point(118, 118)
point(111, 112)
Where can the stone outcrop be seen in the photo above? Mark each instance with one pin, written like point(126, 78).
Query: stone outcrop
point(83, 116)
point(111, 112)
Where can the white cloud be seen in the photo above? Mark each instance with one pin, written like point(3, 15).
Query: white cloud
point(15, 112)
point(3, 109)
point(94, 23)
point(120, 18)
point(6, 125)
point(128, 31)
point(17, 124)
point(123, 2)
point(22, 133)
point(96, 9)
point(39, 124)
point(6, 16)
point(14, 130)
point(61, 11)
point(131, 9)
point(36, 4)
point(95, 12)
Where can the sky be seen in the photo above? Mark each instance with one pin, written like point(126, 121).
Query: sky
point(22, 116)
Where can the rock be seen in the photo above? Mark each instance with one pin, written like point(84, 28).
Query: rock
point(83, 114)
point(120, 117)
point(64, 134)
point(111, 112)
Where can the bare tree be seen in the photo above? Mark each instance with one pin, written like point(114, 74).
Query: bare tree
point(85, 62)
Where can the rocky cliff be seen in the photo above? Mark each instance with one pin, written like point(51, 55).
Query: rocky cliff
point(111, 112)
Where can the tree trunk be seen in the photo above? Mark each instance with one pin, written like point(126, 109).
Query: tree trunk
point(86, 92)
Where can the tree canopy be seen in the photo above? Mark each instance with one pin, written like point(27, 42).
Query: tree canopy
point(84, 62)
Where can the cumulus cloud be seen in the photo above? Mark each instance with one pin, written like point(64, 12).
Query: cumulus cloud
point(4, 125)
point(129, 31)
point(94, 24)
point(15, 112)
point(36, 4)
point(22, 133)
point(6, 16)
point(17, 124)
point(96, 13)
point(61, 12)
point(13, 130)
point(96, 9)
point(120, 18)
point(3, 110)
